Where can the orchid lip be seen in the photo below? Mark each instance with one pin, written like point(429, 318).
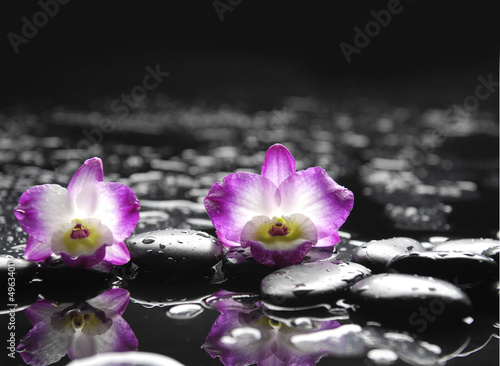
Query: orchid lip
point(81, 237)
point(279, 233)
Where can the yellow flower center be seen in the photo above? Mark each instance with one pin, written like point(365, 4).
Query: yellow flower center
point(278, 232)
point(83, 238)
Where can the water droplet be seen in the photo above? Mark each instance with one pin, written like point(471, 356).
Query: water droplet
point(149, 240)
point(185, 311)
point(203, 234)
point(242, 336)
point(382, 356)
point(162, 246)
point(302, 323)
point(149, 251)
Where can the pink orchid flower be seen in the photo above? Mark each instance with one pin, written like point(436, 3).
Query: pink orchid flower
point(281, 213)
point(77, 329)
point(84, 224)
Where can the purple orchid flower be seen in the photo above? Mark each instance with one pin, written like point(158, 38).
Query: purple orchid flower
point(247, 337)
point(80, 330)
point(84, 224)
point(280, 213)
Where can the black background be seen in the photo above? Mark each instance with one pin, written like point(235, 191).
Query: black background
point(432, 51)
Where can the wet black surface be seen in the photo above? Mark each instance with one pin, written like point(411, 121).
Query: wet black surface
point(172, 162)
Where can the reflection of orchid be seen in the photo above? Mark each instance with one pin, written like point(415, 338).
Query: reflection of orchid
point(280, 213)
point(80, 330)
point(84, 224)
point(247, 337)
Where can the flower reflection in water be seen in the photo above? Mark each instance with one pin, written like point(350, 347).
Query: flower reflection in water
point(243, 336)
point(80, 330)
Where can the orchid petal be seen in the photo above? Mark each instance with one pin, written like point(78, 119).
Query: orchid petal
point(118, 338)
point(313, 193)
point(91, 172)
point(37, 251)
point(240, 197)
point(247, 354)
point(117, 253)
point(42, 209)
point(117, 208)
point(42, 310)
point(329, 241)
point(43, 345)
point(115, 300)
point(278, 164)
point(279, 258)
point(86, 261)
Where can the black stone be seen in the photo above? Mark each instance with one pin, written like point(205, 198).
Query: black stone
point(486, 247)
point(462, 269)
point(175, 252)
point(377, 253)
point(311, 283)
point(22, 270)
point(409, 301)
point(239, 263)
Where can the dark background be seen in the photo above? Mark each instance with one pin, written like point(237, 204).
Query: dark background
point(431, 52)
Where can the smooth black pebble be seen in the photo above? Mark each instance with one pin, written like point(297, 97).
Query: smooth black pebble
point(175, 252)
point(19, 269)
point(462, 269)
point(377, 253)
point(311, 283)
point(409, 300)
point(487, 247)
point(239, 263)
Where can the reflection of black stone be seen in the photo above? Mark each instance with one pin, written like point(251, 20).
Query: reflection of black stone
point(148, 290)
point(239, 263)
point(376, 254)
point(25, 294)
point(61, 283)
point(175, 252)
point(409, 301)
point(461, 269)
point(483, 327)
point(311, 283)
